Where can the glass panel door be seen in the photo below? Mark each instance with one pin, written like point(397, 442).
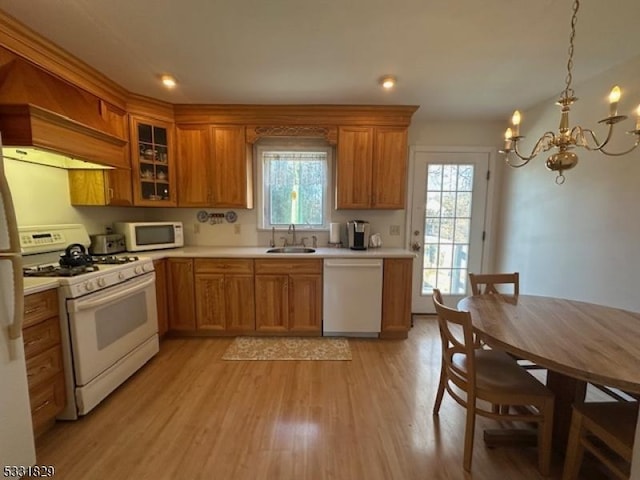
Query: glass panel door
point(449, 198)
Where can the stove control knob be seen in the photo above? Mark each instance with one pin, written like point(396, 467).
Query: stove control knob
point(88, 286)
point(147, 267)
point(138, 270)
point(102, 282)
point(121, 276)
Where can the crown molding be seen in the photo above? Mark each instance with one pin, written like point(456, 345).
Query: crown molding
point(24, 42)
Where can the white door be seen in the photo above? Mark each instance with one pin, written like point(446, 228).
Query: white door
point(449, 197)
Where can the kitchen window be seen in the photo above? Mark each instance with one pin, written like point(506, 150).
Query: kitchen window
point(293, 185)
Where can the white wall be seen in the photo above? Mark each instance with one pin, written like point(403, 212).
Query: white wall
point(463, 133)
point(578, 240)
point(41, 197)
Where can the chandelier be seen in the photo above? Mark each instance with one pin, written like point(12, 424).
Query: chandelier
point(567, 138)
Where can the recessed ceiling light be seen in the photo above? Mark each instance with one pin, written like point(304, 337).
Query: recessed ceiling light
point(168, 81)
point(388, 82)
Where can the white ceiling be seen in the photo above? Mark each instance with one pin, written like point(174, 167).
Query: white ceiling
point(454, 58)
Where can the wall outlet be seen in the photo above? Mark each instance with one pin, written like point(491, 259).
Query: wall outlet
point(394, 229)
point(196, 228)
point(236, 229)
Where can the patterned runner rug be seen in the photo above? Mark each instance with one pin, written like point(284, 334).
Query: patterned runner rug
point(288, 348)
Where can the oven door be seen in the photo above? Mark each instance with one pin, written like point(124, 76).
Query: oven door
point(107, 325)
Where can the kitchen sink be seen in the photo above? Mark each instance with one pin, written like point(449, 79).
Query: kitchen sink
point(291, 250)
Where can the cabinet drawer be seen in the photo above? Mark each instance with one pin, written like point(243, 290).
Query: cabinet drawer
point(224, 265)
point(44, 366)
point(286, 266)
point(47, 400)
point(40, 306)
point(41, 336)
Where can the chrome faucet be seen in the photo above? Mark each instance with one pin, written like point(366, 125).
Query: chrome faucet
point(292, 228)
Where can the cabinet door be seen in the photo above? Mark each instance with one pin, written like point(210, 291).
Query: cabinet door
point(272, 303)
point(100, 187)
point(152, 162)
point(160, 267)
point(389, 168)
point(305, 303)
point(240, 303)
point(118, 187)
point(210, 302)
point(354, 167)
point(182, 315)
point(396, 297)
point(194, 160)
point(230, 180)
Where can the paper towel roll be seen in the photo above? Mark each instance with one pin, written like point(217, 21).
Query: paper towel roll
point(334, 233)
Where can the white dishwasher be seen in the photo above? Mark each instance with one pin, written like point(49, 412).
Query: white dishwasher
point(352, 293)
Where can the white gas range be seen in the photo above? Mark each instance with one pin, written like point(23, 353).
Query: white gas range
point(108, 316)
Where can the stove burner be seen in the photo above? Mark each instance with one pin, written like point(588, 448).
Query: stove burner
point(58, 271)
point(112, 260)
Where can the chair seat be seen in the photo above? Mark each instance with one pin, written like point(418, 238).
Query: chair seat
point(498, 371)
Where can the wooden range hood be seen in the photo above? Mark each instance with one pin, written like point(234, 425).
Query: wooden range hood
point(39, 111)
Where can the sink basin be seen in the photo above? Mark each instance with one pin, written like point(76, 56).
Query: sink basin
point(291, 250)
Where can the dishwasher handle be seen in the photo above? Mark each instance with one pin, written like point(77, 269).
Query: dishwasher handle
point(330, 264)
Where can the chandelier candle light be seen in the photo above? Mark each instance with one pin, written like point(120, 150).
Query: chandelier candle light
point(567, 138)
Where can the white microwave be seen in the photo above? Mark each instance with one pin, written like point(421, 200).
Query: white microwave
point(140, 236)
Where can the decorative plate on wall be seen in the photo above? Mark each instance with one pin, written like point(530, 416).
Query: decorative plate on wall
point(203, 216)
point(231, 216)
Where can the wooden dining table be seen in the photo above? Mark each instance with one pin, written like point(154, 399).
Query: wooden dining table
point(577, 342)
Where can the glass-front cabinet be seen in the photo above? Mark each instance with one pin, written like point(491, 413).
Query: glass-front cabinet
point(153, 163)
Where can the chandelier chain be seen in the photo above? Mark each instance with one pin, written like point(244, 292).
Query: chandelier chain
point(568, 91)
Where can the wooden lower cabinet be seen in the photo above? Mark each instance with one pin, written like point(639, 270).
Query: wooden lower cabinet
point(289, 296)
point(162, 301)
point(182, 312)
point(43, 354)
point(272, 303)
point(240, 296)
point(396, 297)
point(224, 294)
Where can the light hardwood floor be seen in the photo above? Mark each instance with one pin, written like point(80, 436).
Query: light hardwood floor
point(190, 415)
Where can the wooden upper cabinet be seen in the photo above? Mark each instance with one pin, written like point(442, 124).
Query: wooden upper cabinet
point(371, 168)
point(389, 176)
point(194, 159)
point(101, 187)
point(152, 162)
point(354, 167)
point(214, 167)
point(231, 185)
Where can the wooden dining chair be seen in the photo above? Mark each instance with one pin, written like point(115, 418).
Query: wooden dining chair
point(471, 374)
point(500, 284)
point(597, 423)
point(485, 283)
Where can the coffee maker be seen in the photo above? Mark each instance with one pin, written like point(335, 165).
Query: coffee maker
point(358, 233)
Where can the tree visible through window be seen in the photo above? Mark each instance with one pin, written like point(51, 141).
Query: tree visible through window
point(294, 188)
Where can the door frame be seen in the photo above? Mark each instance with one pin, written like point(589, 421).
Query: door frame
point(490, 219)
